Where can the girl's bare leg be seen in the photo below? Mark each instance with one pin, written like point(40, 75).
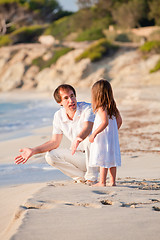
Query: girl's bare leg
point(112, 172)
point(103, 176)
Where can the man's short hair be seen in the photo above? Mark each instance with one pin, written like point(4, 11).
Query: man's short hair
point(63, 87)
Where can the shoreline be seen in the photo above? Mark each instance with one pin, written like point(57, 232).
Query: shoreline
point(21, 107)
point(15, 130)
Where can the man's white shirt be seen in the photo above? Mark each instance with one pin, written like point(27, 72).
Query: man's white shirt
point(71, 128)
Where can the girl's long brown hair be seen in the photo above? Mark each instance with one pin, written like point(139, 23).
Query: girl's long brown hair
point(102, 96)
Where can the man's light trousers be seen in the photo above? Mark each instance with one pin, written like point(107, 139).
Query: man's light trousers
point(74, 166)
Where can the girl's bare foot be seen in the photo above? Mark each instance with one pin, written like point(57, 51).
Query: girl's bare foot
point(112, 184)
point(99, 184)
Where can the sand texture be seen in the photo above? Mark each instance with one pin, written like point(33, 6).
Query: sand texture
point(76, 211)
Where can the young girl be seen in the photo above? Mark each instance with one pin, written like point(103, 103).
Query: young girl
point(105, 150)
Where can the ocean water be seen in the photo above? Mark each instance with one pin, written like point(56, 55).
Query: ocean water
point(12, 174)
point(18, 118)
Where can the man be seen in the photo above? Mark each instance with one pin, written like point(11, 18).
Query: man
point(75, 121)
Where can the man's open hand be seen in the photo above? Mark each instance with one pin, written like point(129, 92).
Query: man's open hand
point(75, 144)
point(26, 153)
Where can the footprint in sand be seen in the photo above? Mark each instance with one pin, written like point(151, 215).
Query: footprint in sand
point(131, 205)
point(99, 192)
point(106, 202)
point(156, 208)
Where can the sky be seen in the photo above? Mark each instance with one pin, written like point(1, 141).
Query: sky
point(69, 5)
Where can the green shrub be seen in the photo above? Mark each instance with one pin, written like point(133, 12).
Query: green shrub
point(77, 23)
point(103, 22)
point(39, 62)
point(151, 47)
point(5, 40)
point(11, 29)
point(90, 34)
point(45, 64)
point(27, 34)
point(156, 68)
point(122, 37)
point(97, 50)
point(61, 28)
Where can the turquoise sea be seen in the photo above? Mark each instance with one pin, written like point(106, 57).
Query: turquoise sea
point(18, 119)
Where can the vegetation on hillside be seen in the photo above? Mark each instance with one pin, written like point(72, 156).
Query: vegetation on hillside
point(97, 50)
point(27, 34)
point(90, 35)
point(156, 67)
point(5, 40)
point(20, 13)
point(56, 55)
point(92, 16)
point(62, 27)
point(150, 47)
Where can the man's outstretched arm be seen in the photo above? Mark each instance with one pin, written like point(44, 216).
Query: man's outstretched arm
point(27, 153)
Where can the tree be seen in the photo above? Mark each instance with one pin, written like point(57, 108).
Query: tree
point(46, 9)
point(129, 14)
point(11, 12)
point(86, 3)
point(103, 8)
point(21, 12)
point(154, 6)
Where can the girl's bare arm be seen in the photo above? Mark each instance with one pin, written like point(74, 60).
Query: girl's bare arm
point(104, 123)
point(119, 120)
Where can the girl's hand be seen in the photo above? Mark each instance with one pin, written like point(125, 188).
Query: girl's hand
point(91, 138)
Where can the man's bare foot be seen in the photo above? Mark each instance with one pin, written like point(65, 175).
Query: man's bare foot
point(90, 183)
point(80, 181)
point(99, 184)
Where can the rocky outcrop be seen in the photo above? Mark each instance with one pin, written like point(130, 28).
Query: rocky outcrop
point(47, 40)
point(125, 67)
point(29, 77)
point(15, 65)
point(12, 77)
point(131, 70)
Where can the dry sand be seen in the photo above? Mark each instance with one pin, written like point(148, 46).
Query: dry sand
point(65, 210)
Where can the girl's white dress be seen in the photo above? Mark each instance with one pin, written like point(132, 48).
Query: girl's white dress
point(105, 150)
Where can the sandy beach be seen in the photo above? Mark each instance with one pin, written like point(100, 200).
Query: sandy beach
point(60, 209)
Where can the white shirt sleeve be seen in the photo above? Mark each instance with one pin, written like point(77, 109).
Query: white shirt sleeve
point(89, 115)
point(56, 124)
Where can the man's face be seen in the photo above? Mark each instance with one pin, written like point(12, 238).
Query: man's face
point(68, 101)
